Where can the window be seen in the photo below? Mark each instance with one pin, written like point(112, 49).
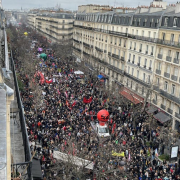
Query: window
point(115, 41)
point(168, 69)
point(140, 48)
point(175, 71)
point(119, 52)
point(172, 38)
point(150, 63)
point(145, 22)
point(172, 106)
point(157, 81)
point(134, 57)
point(63, 21)
point(149, 79)
point(173, 89)
point(129, 56)
point(130, 45)
point(160, 51)
point(164, 102)
point(143, 90)
point(133, 31)
point(136, 32)
point(119, 42)
point(149, 34)
point(175, 22)
point(144, 77)
point(124, 43)
point(136, 88)
point(131, 84)
point(179, 39)
point(134, 45)
point(166, 86)
point(142, 33)
point(128, 69)
point(154, 35)
point(152, 50)
point(163, 36)
point(166, 21)
point(132, 71)
point(159, 66)
point(147, 47)
point(145, 62)
point(169, 53)
point(177, 55)
point(138, 74)
point(117, 64)
point(139, 60)
point(109, 60)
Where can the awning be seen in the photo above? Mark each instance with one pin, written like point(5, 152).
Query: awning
point(151, 110)
point(36, 169)
point(131, 96)
point(162, 117)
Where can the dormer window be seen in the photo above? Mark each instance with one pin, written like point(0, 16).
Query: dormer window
point(145, 21)
point(138, 21)
point(151, 22)
point(166, 21)
point(175, 22)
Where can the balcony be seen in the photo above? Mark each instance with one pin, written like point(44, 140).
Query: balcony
point(122, 58)
point(163, 107)
point(158, 71)
point(168, 43)
point(98, 49)
point(177, 115)
point(156, 88)
point(143, 38)
point(87, 45)
point(118, 33)
point(174, 78)
point(115, 56)
point(168, 58)
point(115, 69)
point(167, 75)
point(154, 101)
point(137, 80)
point(160, 56)
point(169, 96)
point(169, 110)
point(176, 61)
point(77, 49)
point(76, 41)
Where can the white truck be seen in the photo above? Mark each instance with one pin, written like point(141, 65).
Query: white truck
point(101, 131)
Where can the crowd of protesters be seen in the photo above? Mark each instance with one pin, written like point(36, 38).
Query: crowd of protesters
point(61, 121)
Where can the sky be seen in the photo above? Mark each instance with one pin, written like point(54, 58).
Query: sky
point(71, 4)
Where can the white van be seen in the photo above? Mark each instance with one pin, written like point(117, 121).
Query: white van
point(101, 131)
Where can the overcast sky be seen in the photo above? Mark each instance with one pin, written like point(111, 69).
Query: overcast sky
point(71, 4)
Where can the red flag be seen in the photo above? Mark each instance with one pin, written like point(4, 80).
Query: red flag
point(87, 100)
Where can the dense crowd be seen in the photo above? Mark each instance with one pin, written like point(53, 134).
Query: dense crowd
point(58, 119)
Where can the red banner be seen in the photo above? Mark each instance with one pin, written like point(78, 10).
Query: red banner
point(87, 100)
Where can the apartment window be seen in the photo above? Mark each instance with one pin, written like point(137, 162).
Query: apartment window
point(114, 62)
point(140, 48)
point(163, 36)
point(149, 78)
point(62, 26)
point(119, 52)
point(154, 35)
point(157, 81)
point(119, 42)
point(172, 106)
point(139, 60)
point(138, 74)
point(149, 34)
point(124, 54)
point(130, 45)
point(136, 88)
point(147, 47)
point(133, 57)
point(115, 41)
point(128, 69)
point(131, 84)
point(166, 86)
point(169, 53)
point(172, 38)
point(130, 56)
point(159, 66)
point(117, 64)
point(175, 71)
point(114, 50)
point(150, 63)
point(136, 32)
point(142, 90)
point(145, 22)
point(164, 102)
point(127, 83)
point(132, 71)
point(109, 60)
point(155, 98)
point(173, 89)
point(177, 55)
point(111, 39)
point(175, 22)
point(166, 21)
point(133, 31)
point(144, 77)
point(124, 43)
point(145, 62)
point(134, 45)
point(142, 33)
point(63, 21)
point(168, 69)
point(179, 39)
point(160, 51)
